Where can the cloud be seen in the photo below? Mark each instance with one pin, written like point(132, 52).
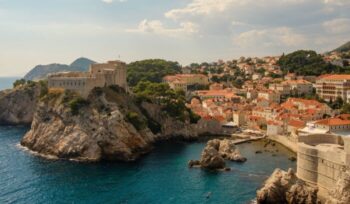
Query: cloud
point(157, 27)
point(337, 26)
point(111, 1)
point(277, 37)
point(208, 7)
point(337, 2)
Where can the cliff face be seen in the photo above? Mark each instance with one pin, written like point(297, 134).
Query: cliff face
point(172, 128)
point(285, 187)
point(91, 130)
point(341, 192)
point(17, 106)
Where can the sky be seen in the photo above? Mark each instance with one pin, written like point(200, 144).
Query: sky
point(36, 32)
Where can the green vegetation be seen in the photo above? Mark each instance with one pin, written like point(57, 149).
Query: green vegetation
point(43, 88)
point(152, 70)
point(305, 62)
point(136, 120)
point(21, 82)
point(76, 104)
point(172, 101)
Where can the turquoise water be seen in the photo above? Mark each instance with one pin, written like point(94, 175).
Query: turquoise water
point(7, 82)
point(160, 177)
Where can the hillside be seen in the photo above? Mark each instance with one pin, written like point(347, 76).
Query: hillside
point(152, 70)
point(41, 71)
point(307, 62)
point(343, 48)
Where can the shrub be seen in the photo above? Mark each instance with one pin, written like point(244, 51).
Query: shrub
point(135, 120)
point(19, 82)
point(76, 104)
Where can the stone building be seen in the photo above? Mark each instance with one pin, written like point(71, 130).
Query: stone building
point(322, 159)
point(182, 81)
point(330, 87)
point(99, 75)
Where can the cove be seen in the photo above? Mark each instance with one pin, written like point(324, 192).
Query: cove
point(159, 177)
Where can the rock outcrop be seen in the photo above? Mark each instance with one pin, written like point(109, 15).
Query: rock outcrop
point(171, 128)
point(285, 187)
point(17, 106)
point(211, 158)
point(96, 130)
point(341, 192)
point(228, 150)
point(214, 154)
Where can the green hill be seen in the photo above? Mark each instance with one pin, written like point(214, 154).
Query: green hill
point(343, 48)
point(307, 62)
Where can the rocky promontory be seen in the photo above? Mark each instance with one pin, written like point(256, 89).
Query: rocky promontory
point(17, 106)
point(214, 154)
point(67, 126)
point(285, 187)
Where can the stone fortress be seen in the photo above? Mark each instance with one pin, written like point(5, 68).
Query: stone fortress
point(99, 75)
point(322, 160)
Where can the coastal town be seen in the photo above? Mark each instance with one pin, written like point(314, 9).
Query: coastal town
point(307, 114)
point(117, 111)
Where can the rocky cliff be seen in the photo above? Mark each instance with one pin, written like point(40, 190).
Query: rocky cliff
point(170, 127)
point(341, 192)
point(66, 126)
point(285, 188)
point(17, 106)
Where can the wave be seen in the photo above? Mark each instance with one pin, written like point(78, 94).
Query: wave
point(46, 156)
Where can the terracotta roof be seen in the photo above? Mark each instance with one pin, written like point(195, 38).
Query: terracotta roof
point(333, 122)
point(335, 77)
point(296, 123)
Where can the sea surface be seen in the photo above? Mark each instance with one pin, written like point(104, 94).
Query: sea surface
point(160, 177)
point(7, 82)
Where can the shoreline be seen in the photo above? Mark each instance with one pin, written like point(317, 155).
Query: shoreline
point(282, 140)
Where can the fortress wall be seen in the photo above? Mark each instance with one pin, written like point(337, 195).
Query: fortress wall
point(69, 83)
point(322, 164)
point(307, 163)
point(320, 139)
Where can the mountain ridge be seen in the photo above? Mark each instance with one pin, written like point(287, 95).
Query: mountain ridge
point(40, 72)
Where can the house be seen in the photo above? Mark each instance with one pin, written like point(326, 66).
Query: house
point(299, 86)
point(182, 81)
point(335, 125)
point(271, 96)
point(331, 86)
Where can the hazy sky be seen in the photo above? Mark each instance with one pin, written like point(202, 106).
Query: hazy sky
point(45, 31)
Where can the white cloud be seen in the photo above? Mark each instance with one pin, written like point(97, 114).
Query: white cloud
point(111, 1)
point(277, 37)
point(337, 2)
point(337, 26)
point(207, 7)
point(157, 27)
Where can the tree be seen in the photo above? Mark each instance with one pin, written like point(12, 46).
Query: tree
point(19, 82)
point(307, 62)
point(172, 101)
point(152, 70)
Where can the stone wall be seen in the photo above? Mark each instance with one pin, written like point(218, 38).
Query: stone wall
point(99, 75)
point(322, 159)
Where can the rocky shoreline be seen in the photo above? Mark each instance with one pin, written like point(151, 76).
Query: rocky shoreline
point(109, 125)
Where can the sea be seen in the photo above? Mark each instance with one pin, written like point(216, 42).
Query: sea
point(7, 82)
point(159, 177)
